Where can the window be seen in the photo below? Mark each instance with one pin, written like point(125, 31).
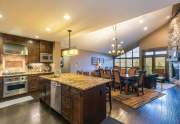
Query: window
point(123, 62)
point(150, 53)
point(129, 62)
point(136, 62)
point(129, 54)
point(136, 52)
point(117, 62)
point(129, 59)
point(160, 52)
point(148, 65)
point(160, 62)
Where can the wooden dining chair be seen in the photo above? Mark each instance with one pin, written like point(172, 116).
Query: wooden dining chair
point(94, 74)
point(118, 81)
point(106, 75)
point(79, 72)
point(86, 73)
point(139, 84)
point(132, 71)
point(122, 71)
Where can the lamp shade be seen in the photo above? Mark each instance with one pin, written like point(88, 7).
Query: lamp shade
point(70, 52)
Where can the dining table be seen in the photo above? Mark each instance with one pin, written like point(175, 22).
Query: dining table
point(129, 80)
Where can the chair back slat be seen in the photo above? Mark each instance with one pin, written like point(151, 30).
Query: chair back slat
point(117, 76)
point(142, 79)
point(123, 71)
point(132, 71)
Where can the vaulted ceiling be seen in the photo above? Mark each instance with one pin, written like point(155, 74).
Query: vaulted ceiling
point(89, 17)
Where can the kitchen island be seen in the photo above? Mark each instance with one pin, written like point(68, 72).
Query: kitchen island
point(79, 99)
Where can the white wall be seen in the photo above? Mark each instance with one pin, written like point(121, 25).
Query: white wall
point(83, 61)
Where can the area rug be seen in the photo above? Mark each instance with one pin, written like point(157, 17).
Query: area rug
point(15, 101)
point(134, 101)
point(110, 120)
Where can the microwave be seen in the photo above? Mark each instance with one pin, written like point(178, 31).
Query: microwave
point(46, 57)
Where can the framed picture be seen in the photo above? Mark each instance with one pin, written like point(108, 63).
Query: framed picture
point(94, 60)
point(101, 60)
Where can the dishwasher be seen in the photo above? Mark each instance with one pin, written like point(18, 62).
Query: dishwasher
point(56, 96)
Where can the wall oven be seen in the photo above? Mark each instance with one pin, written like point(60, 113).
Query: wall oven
point(46, 57)
point(15, 85)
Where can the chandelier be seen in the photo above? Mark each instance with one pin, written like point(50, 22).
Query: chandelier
point(117, 48)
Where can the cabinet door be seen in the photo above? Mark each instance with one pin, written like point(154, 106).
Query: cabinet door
point(33, 83)
point(1, 48)
point(45, 89)
point(76, 107)
point(42, 89)
point(46, 47)
point(33, 52)
point(66, 103)
point(1, 87)
point(48, 92)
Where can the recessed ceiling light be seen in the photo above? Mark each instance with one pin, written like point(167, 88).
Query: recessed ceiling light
point(48, 29)
point(122, 42)
point(30, 41)
point(36, 36)
point(145, 28)
point(141, 21)
point(168, 17)
point(67, 17)
point(1, 16)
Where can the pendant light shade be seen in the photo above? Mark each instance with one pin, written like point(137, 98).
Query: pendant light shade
point(70, 51)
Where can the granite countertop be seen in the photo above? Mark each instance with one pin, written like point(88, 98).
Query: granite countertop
point(26, 73)
point(80, 82)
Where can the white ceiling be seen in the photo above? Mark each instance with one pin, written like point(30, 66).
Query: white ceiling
point(130, 32)
point(31, 17)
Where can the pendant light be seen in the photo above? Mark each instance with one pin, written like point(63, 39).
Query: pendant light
point(70, 51)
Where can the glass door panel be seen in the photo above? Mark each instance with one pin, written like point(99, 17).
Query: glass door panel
point(148, 65)
point(160, 62)
point(160, 65)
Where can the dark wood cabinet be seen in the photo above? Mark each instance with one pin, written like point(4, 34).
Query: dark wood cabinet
point(45, 90)
point(1, 87)
point(84, 107)
point(33, 51)
point(46, 47)
point(33, 83)
point(66, 104)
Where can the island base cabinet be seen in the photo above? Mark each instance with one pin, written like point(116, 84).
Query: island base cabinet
point(78, 106)
point(84, 107)
point(94, 105)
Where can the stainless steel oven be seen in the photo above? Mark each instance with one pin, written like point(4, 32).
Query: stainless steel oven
point(46, 57)
point(15, 85)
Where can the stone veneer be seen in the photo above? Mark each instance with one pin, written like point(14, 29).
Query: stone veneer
point(174, 41)
point(174, 32)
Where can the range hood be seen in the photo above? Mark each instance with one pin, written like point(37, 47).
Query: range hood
point(16, 49)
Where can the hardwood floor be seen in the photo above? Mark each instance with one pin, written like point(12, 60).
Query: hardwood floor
point(164, 110)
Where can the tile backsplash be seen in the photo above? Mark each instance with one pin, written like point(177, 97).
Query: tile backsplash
point(17, 63)
point(38, 67)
